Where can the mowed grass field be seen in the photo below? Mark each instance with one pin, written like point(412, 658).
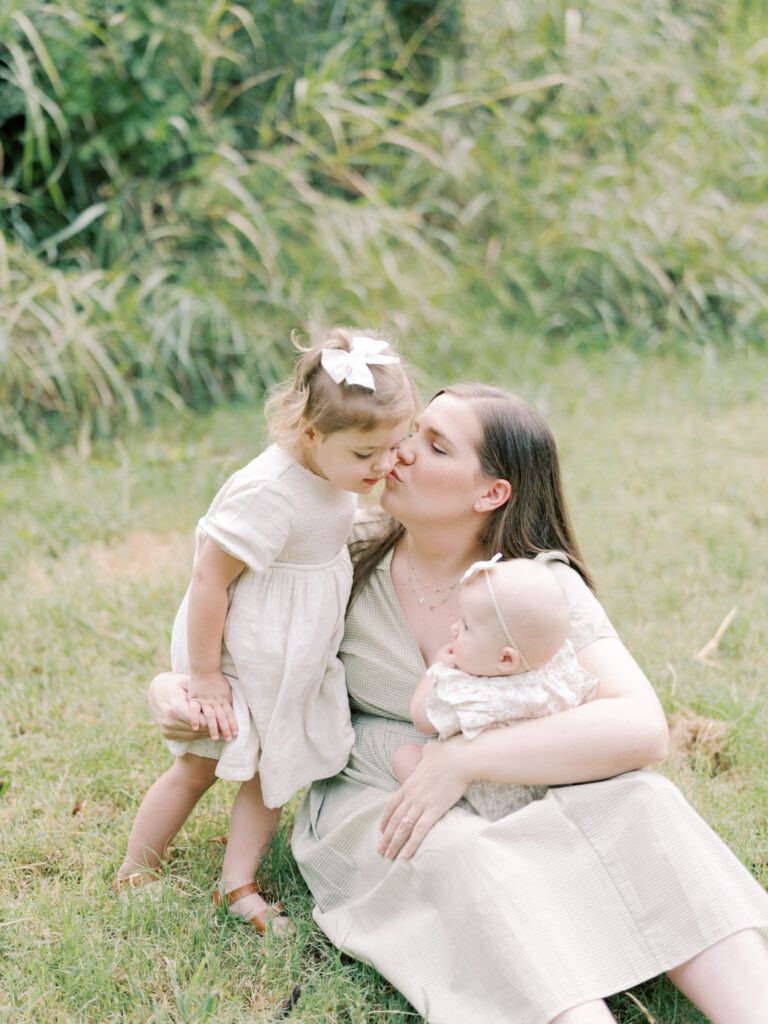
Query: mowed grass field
point(666, 466)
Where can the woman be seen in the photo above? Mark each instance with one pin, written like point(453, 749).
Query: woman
point(598, 886)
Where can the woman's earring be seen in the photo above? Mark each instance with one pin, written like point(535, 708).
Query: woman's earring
point(477, 506)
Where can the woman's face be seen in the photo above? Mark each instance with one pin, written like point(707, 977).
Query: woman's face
point(437, 476)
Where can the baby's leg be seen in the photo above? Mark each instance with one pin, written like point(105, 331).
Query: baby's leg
point(163, 811)
point(251, 828)
point(405, 759)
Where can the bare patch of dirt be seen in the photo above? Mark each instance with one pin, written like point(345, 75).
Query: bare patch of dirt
point(143, 555)
point(698, 742)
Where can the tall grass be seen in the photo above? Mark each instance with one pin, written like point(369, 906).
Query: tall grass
point(184, 183)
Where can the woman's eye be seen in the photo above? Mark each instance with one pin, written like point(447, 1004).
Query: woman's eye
point(360, 455)
point(438, 449)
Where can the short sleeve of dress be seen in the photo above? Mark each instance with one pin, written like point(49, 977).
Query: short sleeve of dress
point(250, 520)
point(589, 621)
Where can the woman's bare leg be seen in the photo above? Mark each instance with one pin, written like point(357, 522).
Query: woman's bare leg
point(594, 1012)
point(251, 828)
point(166, 806)
point(729, 981)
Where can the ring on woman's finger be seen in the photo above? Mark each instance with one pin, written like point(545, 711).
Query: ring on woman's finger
point(408, 822)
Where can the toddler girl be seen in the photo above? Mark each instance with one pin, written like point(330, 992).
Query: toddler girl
point(510, 659)
point(261, 622)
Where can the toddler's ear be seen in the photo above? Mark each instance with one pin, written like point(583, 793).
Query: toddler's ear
point(310, 437)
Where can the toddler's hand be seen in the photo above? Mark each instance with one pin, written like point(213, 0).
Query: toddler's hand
point(210, 702)
point(445, 656)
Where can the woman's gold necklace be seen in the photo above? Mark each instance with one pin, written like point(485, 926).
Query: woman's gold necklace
point(414, 578)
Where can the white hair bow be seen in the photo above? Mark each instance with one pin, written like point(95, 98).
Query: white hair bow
point(353, 367)
point(477, 567)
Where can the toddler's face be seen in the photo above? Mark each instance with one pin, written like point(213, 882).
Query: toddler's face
point(476, 647)
point(354, 460)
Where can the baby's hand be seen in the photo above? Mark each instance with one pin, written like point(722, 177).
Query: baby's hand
point(210, 702)
point(445, 656)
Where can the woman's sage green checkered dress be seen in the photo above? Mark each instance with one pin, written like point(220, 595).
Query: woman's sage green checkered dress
point(586, 892)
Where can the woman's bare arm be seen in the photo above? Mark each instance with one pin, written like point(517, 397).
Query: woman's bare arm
point(623, 729)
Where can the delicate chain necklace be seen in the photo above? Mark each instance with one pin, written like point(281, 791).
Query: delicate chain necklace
point(414, 578)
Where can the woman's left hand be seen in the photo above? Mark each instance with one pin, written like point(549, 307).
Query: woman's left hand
point(437, 782)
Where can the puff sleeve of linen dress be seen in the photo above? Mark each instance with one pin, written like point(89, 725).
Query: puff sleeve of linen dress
point(284, 623)
point(581, 894)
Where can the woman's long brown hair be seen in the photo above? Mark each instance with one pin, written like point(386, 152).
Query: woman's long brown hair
point(516, 445)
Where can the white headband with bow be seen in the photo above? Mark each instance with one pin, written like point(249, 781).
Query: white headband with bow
point(353, 367)
point(485, 567)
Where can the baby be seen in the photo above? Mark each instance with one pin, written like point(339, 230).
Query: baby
point(510, 659)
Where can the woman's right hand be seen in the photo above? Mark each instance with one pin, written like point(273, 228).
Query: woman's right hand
point(437, 783)
point(168, 698)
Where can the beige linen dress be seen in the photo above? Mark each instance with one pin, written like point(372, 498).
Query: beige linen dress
point(581, 894)
point(284, 623)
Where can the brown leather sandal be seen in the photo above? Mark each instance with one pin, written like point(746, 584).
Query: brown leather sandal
point(260, 920)
point(150, 885)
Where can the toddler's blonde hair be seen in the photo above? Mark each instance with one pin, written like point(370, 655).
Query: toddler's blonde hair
point(313, 399)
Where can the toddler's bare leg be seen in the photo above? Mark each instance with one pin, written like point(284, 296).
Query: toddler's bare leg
point(251, 828)
point(405, 759)
point(163, 811)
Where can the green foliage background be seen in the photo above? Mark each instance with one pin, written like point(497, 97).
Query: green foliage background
point(183, 183)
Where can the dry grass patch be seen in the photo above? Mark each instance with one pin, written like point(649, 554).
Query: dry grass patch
point(141, 556)
point(696, 741)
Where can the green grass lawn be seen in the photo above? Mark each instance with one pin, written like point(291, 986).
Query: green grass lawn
point(666, 464)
